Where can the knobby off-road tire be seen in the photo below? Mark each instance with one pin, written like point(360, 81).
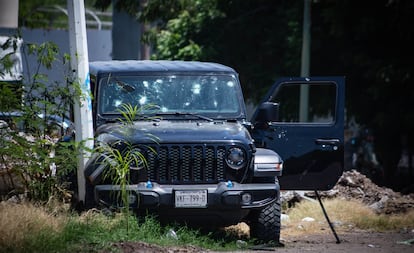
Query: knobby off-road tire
point(265, 223)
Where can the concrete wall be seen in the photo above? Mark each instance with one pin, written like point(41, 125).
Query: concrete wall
point(99, 48)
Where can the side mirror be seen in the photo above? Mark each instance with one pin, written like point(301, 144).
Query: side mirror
point(267, 112)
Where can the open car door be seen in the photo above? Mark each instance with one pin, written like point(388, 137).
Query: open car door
point(302, 119)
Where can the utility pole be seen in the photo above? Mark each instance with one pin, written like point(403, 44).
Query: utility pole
point(305, 63)
point(9, 14)
point(79, 62)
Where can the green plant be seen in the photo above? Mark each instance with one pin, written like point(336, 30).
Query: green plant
point(34, 159)
point(129, 113)
point(10, 97)
point(179, 29)
point(119, 161)
point(11, 89)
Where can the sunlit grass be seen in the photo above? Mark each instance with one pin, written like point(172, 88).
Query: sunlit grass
point(386, 222)
point(345, 215)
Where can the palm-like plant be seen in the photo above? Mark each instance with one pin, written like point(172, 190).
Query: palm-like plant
point(119, 161)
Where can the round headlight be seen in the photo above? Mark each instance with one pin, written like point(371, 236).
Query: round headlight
point(236, 158)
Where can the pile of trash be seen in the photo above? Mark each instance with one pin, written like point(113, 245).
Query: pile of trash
point(355, 186)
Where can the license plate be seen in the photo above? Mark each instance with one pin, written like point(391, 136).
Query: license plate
point(196, 198)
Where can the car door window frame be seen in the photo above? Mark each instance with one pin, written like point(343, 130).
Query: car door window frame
point(335, 101)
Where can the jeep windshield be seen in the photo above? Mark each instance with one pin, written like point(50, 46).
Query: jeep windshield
point(205, 96)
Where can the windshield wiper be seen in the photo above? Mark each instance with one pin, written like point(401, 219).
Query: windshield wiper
point(125, 86)
point(185, 114)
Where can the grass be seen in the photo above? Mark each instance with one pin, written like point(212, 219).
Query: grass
point(48, 228)
point(345, 215)
point(24, 226)
point(31, 228)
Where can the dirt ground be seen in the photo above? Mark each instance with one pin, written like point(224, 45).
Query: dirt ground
point(358, 241)
point(361, 241)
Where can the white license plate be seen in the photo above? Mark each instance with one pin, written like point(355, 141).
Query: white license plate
point(195, 198)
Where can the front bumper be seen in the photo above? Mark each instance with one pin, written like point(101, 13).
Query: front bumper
point(221, 196)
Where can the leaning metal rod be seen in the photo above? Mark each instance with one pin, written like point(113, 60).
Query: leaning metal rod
point(327, 218)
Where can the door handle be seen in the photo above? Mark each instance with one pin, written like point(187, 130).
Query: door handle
point(331, 142)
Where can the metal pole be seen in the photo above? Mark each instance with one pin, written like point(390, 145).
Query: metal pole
point(327, 217)
point(304, 71)
point(82, 105)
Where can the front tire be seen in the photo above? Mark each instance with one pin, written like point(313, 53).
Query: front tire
point(265, 223)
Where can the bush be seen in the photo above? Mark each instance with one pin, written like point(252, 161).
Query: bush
point(34, 160)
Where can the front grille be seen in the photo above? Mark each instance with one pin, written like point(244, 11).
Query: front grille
point(184, 164)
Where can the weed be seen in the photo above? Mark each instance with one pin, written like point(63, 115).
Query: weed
point(26, 227)
point(344, 214)
point(32, 158)
point(121, 161)
point(32, 228)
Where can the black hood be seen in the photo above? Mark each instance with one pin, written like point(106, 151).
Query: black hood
point(175, 132)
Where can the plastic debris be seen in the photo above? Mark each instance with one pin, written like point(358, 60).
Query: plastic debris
point(172, 234)
point(308, 219)
point(407, 242)
point(284, 217)
point(241, 244)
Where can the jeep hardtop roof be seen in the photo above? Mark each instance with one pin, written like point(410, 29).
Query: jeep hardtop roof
point(133, 66)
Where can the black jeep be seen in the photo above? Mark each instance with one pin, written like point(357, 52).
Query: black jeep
point(202, 162)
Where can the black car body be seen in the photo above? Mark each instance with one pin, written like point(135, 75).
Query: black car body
point(54, 124)
point(202, 165)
